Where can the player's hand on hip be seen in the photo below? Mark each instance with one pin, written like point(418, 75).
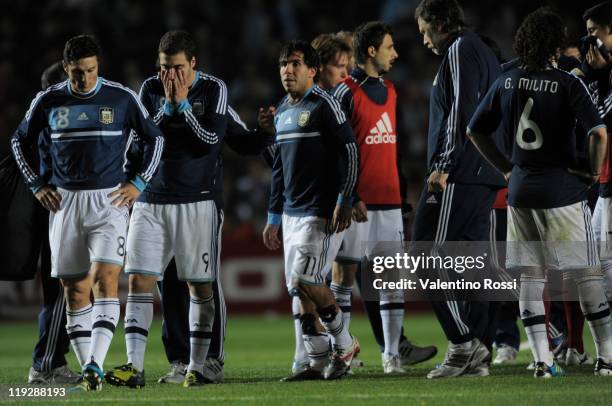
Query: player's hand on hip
point(590, 178)
point(265, 119)
point(341, 219)
point(360, 212)
point(181, 87)
point(270, 237)
point(49, 198)
point(436, 182)
point(125, 195)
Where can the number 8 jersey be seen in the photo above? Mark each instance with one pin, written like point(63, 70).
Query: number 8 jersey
point(538, 111)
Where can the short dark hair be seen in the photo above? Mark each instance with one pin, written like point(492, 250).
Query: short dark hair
point(370, 34)
point(177, 41)
point(79, 47)
point(601, 14)
point(328, 46)
point(539, 38)
point(311, 57)
point(443, 15)
point(54, 73)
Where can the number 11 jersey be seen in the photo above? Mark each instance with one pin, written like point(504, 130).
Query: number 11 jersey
point(539, 111)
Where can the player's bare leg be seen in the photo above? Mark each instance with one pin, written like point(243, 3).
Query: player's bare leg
point(344, 345)
point(316, 342)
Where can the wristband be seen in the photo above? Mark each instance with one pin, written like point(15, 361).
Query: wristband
point(274, 219)
point(139, 182)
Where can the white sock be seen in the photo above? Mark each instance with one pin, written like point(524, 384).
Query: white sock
point(332, 321)
point(392, 316)
point(343, 299)
point(201, 318)
point(533, 315)
point(318, 349)
point(595, 307)
point(138, 317)
point(300, 356)
point(105, 316)
point(606, 267)
point(78, 326)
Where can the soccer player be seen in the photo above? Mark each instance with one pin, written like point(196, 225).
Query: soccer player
point(88, 120)
point(313, 178)
point(177, 215)
point(538, 106)
point(460, 188)
point(49, 364)
point(333, 55)
point(370, 103)
point(175, 293)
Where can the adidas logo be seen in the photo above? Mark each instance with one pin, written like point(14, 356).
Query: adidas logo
point(288, 120)
point(131, 321)
point(82, 117)
point(526, 313)
point(431, 199)
point(382, 133)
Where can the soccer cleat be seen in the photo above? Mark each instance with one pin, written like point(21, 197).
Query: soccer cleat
point(193, 378)
point(411, 354)
point(458, 360)
point(305, 373)
point(505, 354)
point(91, 380)
point(126, 375)
point(213, 371)
point(59, 375)
point(341, 361)
point(175, 375)
point(544, 371)
point(573, 357)
point(603, 368)
point(392, 364)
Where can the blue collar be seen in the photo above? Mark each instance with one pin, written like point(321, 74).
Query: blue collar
point(87, 95)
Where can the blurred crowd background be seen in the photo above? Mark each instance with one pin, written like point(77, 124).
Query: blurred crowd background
point(239, 42)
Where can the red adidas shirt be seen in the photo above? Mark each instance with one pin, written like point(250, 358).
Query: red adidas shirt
point(374, 126)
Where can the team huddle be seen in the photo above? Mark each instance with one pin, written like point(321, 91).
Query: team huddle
point(133, 182)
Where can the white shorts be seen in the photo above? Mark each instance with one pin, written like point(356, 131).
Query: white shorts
point(86, 229)
point(382, 234)
point(189, 232)
point(602, 226)
point(561, 238)
point(309, 250)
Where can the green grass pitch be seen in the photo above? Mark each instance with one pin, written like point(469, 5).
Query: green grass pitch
point(259, 353)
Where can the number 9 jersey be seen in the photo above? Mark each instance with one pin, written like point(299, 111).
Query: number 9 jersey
point(536, 112)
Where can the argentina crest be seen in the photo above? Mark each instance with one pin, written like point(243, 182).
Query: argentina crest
point(106, 115)
point(303, 118)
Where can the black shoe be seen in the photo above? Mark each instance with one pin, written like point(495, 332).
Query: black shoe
point(194, 378)
point(411, 354)
point(603, 368)
point(305, 374)
point(126, 375)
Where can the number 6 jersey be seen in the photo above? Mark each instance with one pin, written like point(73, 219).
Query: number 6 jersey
point(539, 111)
